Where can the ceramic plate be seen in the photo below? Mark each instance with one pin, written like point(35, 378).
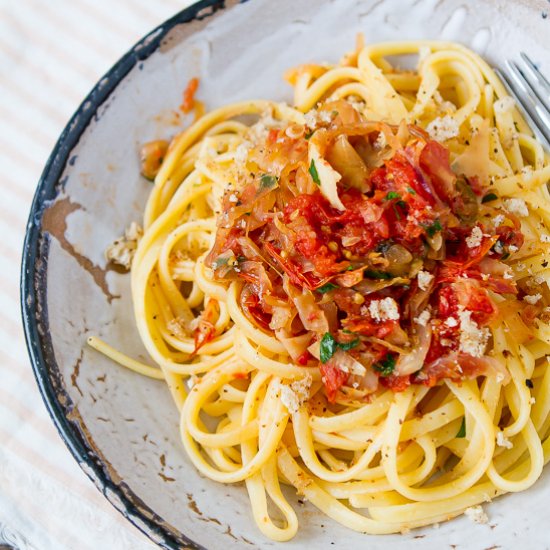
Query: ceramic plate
point(122, 428)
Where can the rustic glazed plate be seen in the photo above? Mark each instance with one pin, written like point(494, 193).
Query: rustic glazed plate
point(122, 428)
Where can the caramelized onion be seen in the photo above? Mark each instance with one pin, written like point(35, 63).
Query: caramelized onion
point(347, 162)
point(398, 256)
point(413, 361)
point(294, 345)
point(312, 316)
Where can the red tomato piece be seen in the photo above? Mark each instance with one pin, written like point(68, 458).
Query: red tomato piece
point(333, 379)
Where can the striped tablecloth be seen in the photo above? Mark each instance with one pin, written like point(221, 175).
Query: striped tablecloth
point(51, 54)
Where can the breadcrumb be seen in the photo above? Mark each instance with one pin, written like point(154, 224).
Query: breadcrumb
point(476, 514)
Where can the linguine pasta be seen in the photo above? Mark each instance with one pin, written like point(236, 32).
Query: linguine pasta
point(353, 291)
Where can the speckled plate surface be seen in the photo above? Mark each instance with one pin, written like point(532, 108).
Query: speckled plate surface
point(122, 428)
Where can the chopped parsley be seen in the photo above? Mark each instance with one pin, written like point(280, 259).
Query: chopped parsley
point(327, 288)
point(329, 345)
point(433, 228)
point(309, 134)
point(489, 197)
point(313, 173)
point(411, 190)
point(346, 346)
point(462, 431)
point(386, 366)
point(373, 274)
point(392, 195)
point(267, 181)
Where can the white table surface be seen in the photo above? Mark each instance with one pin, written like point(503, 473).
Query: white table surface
point(51, 54)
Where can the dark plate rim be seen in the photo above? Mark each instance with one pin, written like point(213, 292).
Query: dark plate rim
point(33, 286)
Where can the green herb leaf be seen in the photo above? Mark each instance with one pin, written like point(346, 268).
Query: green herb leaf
point(372, 274)
point(386, 366)
point(309, 134)
point(327, 288)
point(432, 229)
point(411, 190)
point(402, 204)
point(313, 172)
point(267, 181)
point(489, 197)
point(392, 195)
point(462, 431)
point(328, 347)
point(348, 345)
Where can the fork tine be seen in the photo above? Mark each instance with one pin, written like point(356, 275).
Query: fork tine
point(530, 101)
point(534, 86)
point(510, 87)
point(543, 84)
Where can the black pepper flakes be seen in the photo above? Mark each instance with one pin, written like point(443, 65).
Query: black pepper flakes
point(529, 383)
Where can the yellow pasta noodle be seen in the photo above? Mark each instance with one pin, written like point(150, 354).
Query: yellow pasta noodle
point(383, 462)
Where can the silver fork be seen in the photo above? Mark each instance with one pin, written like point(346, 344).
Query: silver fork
point(531, 89)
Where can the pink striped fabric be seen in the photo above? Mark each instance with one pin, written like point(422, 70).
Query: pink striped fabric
point(51, 54)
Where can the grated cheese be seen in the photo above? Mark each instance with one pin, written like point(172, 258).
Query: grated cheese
point(311, 119)
point(241, 153)
point(473, 339)
point(294, 395)
point(451, 322)
point(475, 237)
point(443, 128)
point(383, 310)
point(476, 514)
point(423, 318)
point(517, 207)
point(123, 249)
point(424, 279)
point(497, 220)
point(324, 116)
point(532, 298)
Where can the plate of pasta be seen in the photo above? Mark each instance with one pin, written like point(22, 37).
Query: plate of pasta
point(303, 301)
